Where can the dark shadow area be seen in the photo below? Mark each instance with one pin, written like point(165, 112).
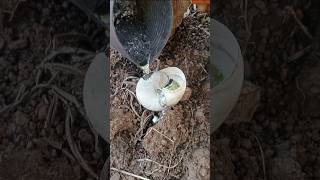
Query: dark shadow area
point(46, 48)
point(273, 132)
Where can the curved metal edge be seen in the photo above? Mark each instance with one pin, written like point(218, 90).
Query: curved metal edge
point(96, 94)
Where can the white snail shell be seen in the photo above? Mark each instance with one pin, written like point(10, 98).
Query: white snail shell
point(152, 94)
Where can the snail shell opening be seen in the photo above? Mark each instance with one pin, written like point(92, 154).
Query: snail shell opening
point(164, 88)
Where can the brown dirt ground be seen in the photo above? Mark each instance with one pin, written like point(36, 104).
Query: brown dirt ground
point(281, 141)
point(180, 141)
point(33, 139)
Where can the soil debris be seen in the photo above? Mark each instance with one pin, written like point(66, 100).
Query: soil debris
point(168, 134)
point(199, 166)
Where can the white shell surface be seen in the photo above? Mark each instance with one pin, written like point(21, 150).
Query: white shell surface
point(148, 96)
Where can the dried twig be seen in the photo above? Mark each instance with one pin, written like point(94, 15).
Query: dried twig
point(129, 174)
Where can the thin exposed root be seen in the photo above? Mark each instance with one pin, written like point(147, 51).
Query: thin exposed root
point(64, 96)
point(168, 168)
point(22, 97)
point(262, 157)
point(51, 111)
point(143, 121)
point(152, 172)
point(65, 50)
point(71, 35)
point(261, 153)
point(153, 129)
point(13, 12)
point(300, 53)
point(69, 98)
point(124, 82)
point(159, 164)
point(132, 95)
point(302, 26)
point(129, 174)
point(73, 147)
point(62, 67)
point(20, 92)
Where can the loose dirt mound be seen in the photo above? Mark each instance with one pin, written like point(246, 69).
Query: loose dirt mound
point(175, 130)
